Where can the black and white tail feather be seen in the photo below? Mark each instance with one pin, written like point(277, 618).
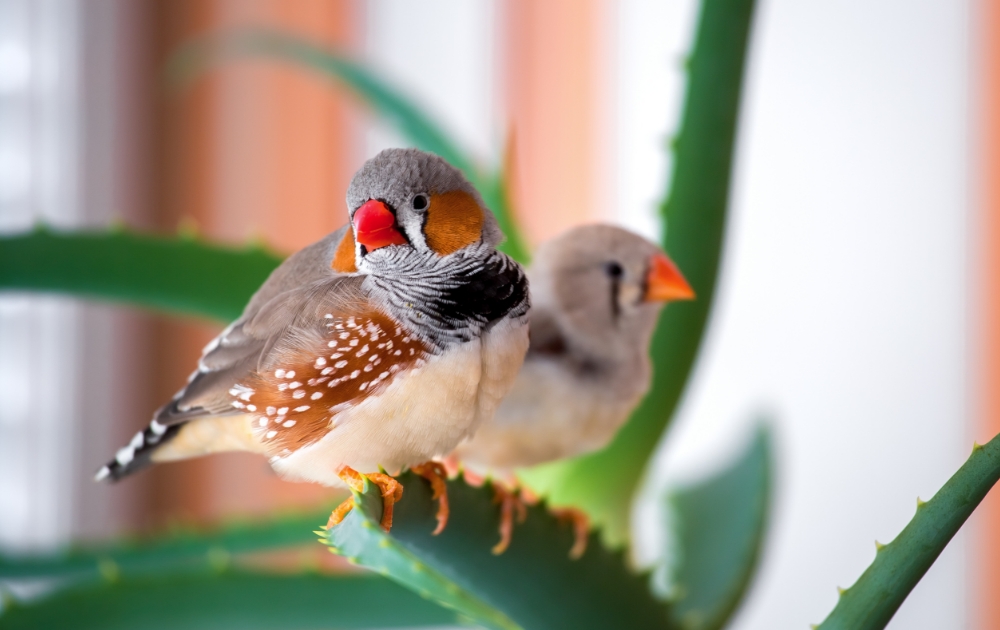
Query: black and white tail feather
point(138, 453)
point(168, 420)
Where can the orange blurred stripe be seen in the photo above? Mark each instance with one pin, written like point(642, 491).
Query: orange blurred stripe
point(255, 149)
point(556, 56)
point(986, 544)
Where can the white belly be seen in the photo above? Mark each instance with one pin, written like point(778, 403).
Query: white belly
point(421, 414)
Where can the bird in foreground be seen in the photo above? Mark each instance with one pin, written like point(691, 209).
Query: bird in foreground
point(596, 293)
point(382, 345)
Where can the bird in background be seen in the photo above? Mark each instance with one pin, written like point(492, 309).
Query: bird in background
point(382, 345)
point(596, 294)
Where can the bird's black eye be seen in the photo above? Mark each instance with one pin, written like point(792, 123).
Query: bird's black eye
point(420, 202)
point(614, 270)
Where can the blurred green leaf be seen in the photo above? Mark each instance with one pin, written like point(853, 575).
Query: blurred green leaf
point(187, 547)
point(234, 600)
point(179, 275)
point(720, 526)
point(532, 585)
point(604, 483)
point(898, 566)
point(195, 57)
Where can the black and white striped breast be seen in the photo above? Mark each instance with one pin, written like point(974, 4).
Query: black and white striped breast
point(455, 302)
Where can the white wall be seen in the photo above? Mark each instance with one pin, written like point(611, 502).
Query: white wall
point(70, 154)
point(38, 335)
point(440, 54)
point(842, 306)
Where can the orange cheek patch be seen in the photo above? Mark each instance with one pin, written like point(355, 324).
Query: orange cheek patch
point(343, 258)
point(454, 220)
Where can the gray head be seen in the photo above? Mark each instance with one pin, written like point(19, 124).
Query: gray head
point(604, 287)
point(407, 207)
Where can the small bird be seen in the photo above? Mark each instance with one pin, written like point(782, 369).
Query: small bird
point(596, 293)
point(382, 345)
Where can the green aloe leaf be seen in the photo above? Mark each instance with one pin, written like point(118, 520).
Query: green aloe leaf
point(182, 548)
point(194, 58)
point(604, 483)
point(178, 274)
point(236, 600)
point(534, 584)
point(898, 566)
point(720, 524)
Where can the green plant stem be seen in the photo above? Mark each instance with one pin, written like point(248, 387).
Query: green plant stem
point(174, 274)
point(873, 600)
point(236, 600)
point(189, 548)
point(604, 483)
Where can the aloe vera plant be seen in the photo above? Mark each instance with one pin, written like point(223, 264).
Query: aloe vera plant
point(423, 579)
point(177, 275)
point(188, 548)
point(461, 574)
point(534, 584)
point(229, 599)
point(720, 527)
point(898, 566)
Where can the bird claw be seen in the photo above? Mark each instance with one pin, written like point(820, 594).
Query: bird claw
point(340, 512)
point(392, 491)
point(436, 473)
point(581, 529)
point(510, 503)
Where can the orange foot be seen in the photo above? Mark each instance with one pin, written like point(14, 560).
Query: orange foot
point(435, 473)
point(392, 491)
point(510, 503)
point(581, 528)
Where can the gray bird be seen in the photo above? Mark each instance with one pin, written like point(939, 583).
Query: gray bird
point(596, 294)
point(384, 344)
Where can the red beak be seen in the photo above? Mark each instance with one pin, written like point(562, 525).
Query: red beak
point(664, 282)
point(375, 226)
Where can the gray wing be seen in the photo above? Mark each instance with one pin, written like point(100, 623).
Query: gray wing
point(288, 299)
point(238, 349)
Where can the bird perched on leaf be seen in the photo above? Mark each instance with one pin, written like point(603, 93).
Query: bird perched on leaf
point(382, 345)
point(596, 294)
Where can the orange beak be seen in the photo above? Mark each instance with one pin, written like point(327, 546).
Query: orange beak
point(375, 226)
point(664, 282)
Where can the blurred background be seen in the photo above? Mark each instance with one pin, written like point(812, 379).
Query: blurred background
point(856, 308)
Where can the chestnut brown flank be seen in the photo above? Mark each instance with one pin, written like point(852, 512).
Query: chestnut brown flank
point(303, 389)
